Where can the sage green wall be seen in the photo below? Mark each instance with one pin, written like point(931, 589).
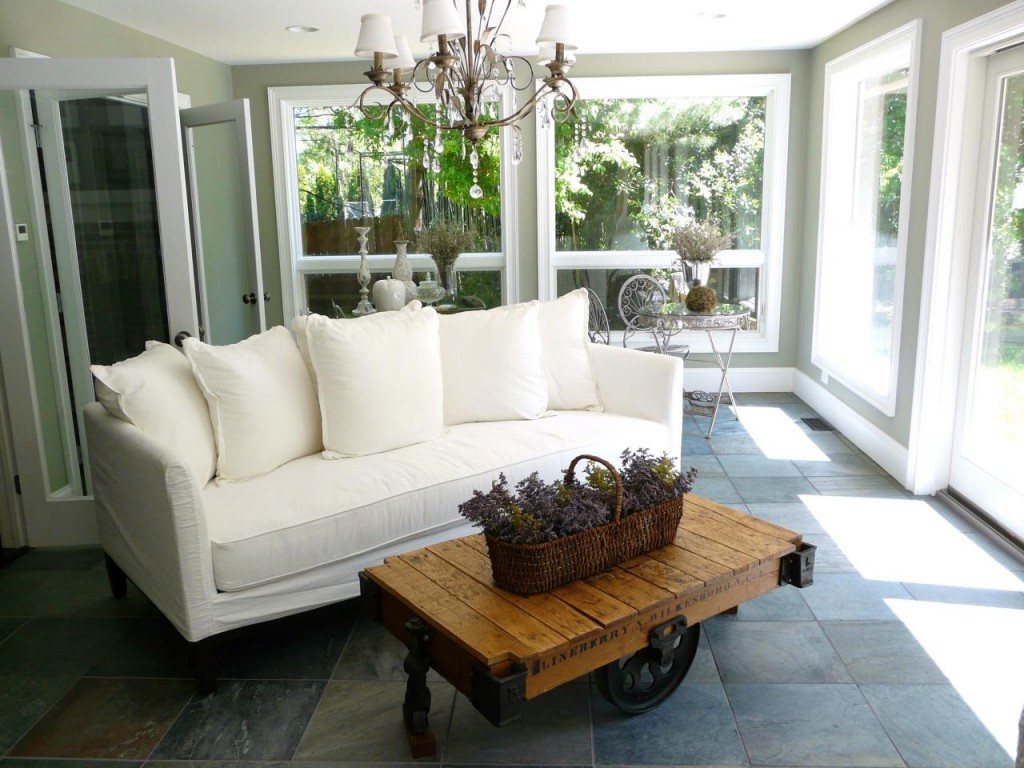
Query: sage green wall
point(55, 29)
point(937, 18)
point(252, 82)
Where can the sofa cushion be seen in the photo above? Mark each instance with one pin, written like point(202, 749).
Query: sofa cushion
point(156, 392)
point(262, 402)
point(567, 367)
point(493, 365)
point(310, 513)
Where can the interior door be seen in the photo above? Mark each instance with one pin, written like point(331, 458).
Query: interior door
point(989, 430)
point(114, 166)
point(225, 230)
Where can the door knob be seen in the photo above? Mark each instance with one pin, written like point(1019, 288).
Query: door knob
point(248, 298)
point(266, 295)
point(180, 337)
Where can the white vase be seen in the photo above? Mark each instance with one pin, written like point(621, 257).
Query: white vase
point(402, 271)
point(389, 294)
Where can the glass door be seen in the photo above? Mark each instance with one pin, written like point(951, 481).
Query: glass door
point(989, 432)
point(95, 256)
point(225, 231)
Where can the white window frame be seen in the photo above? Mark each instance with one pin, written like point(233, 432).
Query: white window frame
point(897, 49)
point(295, 264)
point(776, 89)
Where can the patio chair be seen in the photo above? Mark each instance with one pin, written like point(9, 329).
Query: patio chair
point(637, 293)
point(598, 327)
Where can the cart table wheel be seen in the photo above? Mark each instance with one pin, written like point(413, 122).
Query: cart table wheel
point(641, 682)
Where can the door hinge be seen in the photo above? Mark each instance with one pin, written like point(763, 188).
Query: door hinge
point(17, 484)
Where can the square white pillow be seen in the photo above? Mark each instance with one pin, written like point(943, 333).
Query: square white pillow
point(262, 402)
point(378, 380)
point(567, 367)
point(155, 391)
point(493, 365)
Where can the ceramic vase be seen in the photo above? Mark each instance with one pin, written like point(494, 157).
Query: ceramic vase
point(402, 271)
point(389, 294)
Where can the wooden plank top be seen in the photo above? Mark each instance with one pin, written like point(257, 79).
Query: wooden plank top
point(449, 585)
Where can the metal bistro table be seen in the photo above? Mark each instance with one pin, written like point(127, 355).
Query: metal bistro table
point(672, 318)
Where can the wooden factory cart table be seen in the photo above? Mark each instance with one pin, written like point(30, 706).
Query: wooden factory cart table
point(635, 626)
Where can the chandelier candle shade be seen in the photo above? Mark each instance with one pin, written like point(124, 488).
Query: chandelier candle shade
point(466, 71)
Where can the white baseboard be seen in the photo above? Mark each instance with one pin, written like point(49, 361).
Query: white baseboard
point(888, 453)
point(742, 379)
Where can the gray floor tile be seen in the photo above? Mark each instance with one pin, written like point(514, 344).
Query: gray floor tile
point(243, 720)
point(314, 640)
point(149, 648)
point(57, 647)
point(839, 465)
point(554, 728)
point(996, 552)
point(694, 443)
point(830, 443)
point(792, 515)
point(760, 490)
point(706, 466)
point(726, 425)
point(59, 559)
point(877, 486)
point(725, 445)
point(851, 597)
point(932, 727)
point(827, 724)
point(784, 604)
point(757, 465)
point(8, 625)
point(829, 557)
point(362, 722)
point(718, 489)
point(23, 700)
point(774, 652)
point(703, 671)
point(693, 727)
point(373, 653)
point(62, 762)
point(881, 652)
point(970, 596)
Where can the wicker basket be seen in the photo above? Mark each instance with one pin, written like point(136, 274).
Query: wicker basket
point(529, 568)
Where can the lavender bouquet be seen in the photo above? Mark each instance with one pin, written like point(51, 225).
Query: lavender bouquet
point(535, 511)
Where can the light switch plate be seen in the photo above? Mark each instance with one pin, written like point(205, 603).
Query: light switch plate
point(22, 232)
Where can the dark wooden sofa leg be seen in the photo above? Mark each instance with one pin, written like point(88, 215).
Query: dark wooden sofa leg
point(116, 577)
point(204, 658)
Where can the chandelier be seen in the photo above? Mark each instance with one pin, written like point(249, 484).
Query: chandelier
point(466, 72)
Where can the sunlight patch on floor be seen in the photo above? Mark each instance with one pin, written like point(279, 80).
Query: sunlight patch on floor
point(979, 649)
point(906, 540)
point(777, 436)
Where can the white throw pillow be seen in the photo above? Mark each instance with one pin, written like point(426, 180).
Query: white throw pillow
point(155, 391)
point(493, 365)
point(378, 380)
point(262, 402)
point(563, 332)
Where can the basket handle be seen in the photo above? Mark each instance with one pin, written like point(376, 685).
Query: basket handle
point(570, 475)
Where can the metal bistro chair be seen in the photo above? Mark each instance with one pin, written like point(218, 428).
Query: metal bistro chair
point(598, 327)
point(641, 292)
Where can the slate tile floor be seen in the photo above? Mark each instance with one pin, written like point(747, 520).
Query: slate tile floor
point(905, 652)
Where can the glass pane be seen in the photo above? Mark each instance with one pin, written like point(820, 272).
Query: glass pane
point(336, 294)
point(353, 171)
point(228, 265)
point(628, 171)
point(733, 286)
point(113, 209)
point(994, 432)
point(858, 301)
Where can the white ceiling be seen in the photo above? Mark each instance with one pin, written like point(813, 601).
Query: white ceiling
point(252, 31)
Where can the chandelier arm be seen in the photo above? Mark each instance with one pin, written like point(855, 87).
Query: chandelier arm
point(512, 78)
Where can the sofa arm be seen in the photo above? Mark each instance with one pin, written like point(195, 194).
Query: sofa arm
point(643, 385)
point(149, 511)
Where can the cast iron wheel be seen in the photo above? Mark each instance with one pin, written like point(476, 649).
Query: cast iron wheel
point(640, 682)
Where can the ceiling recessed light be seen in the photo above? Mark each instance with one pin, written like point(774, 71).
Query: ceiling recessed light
point(301, 28)
point(711, 15)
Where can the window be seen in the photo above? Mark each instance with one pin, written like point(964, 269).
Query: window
point(640, 156)
point(335, 170)
point(868, 130)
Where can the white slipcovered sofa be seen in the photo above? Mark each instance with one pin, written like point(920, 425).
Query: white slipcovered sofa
point(217, 557)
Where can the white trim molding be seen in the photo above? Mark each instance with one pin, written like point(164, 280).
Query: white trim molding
point(706, 378)
point(951, 208)
point(885, 451)
point(776, 90)
point(897, 49)
point(293, 261)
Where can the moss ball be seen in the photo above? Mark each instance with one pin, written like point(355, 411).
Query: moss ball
point(701, 299)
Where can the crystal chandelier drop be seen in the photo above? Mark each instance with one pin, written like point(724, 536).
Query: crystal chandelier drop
point(466, 72)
